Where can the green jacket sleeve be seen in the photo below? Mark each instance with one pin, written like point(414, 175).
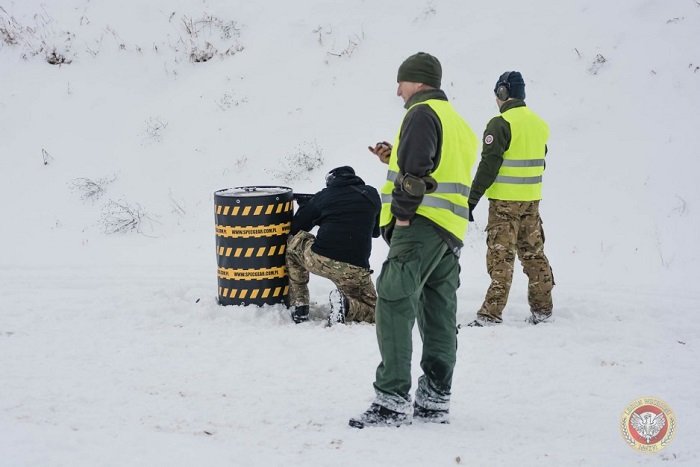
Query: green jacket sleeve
point(496, 141)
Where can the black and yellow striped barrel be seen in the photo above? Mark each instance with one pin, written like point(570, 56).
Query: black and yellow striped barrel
point(252, 225)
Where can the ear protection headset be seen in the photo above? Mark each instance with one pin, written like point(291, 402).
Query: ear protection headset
point(503, 87)
point(338, 172)
point(330, 177)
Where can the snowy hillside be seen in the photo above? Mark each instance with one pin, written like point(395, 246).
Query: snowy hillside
point(118, 121)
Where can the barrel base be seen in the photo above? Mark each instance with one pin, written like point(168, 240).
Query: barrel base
point(242, 293)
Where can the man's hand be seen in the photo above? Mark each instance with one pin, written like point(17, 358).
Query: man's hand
point(471, 210)
point(401, 223)
point(382, 150)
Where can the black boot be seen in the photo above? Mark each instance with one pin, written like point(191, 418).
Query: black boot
point(300, 313)
point(377, 415)
point(481, 322)
point(430, 415)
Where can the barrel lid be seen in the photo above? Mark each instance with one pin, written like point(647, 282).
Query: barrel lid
point(253, 191)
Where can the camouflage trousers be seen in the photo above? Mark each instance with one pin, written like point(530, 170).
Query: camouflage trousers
point(353, 281)
point(516, 226)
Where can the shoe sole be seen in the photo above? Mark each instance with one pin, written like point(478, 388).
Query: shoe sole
point(470, 325)
point(430, 416)
point(360, 424)
point(356, 424)
point(431, 420)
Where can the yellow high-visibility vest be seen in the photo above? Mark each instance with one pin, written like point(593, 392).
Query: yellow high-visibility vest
point(447, 206)
point(520, 175)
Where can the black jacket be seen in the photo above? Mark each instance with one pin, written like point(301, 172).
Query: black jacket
point(419, 151)
point(347, 213)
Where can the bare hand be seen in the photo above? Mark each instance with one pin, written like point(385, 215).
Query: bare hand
point(382, 150)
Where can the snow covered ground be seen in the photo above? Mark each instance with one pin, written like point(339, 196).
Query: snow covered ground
point(113, 350)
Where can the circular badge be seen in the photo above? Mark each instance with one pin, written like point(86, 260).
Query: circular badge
point(648, 424)
point(488, 139)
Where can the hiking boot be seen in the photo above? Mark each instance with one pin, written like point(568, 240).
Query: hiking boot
point(300, 313)
point(339, 307)
point(481, 322)
point(421, 414)
point(538, 317)
point(377, 415)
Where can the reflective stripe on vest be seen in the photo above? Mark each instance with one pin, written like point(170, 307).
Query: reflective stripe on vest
point(442, 187)
point(447, 205)
point(520, 175)
point(519, 180)
point(523, 163)
point(434, 202)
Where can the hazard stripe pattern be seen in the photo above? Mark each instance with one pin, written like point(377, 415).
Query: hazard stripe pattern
point(276, 208)
point(252, 294)
point(250, 252)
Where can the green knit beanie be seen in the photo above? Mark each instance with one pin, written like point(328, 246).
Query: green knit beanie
point(421, 68)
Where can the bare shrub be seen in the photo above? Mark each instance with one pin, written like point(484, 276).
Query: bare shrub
point(122, 217)
point(202, 55)
point(46, 157)
point(229, 100)
point(10, 29)
point(57, 58)
point(89, 189)
point(321, 31)
point(428, 11)
point(354, 42)
point(177, 205)
point(299, 165)
point(154, 129)
point(329, 40)
point(210, 36)
point(597, 64)
point(39, 39)
point(681, 208)
point(241, 163)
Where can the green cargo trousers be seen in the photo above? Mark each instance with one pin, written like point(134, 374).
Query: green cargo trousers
point(418, 281)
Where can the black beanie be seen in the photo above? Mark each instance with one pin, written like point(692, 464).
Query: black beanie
point(421, 68)
point(339, 172)
point(516, 84)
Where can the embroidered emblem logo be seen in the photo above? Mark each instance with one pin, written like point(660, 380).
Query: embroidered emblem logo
point(648, 424)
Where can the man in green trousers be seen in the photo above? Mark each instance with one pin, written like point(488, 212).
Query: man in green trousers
point(424, 218)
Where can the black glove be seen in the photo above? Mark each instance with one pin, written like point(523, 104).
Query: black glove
point(471, 209)
point(302, 198)
point(387, 233)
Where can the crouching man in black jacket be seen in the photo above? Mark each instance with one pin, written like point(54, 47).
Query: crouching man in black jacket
point(347, 213)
